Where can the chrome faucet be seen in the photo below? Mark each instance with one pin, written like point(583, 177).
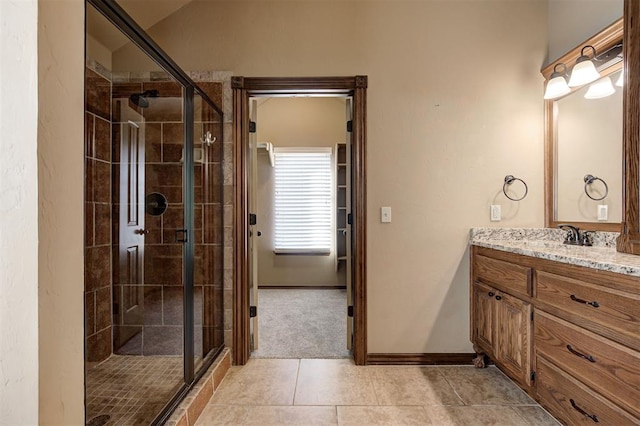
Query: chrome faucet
point(573, 235)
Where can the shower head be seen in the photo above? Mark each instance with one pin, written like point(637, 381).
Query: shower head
point(140, 99)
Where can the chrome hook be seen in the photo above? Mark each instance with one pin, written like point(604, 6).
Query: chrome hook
point(208, 139)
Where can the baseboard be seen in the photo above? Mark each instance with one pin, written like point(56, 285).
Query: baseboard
point(302, 287)
point(421, 359)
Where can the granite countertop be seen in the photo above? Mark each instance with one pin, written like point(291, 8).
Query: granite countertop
point(546, 243)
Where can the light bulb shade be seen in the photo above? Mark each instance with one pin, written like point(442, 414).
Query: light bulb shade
point(620, 80)
point(600, 89)
point(556, 87)
point(584, 72)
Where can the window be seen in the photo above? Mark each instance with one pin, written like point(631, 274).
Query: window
point(303, 201)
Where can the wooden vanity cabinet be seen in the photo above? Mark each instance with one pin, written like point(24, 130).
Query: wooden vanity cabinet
point(570, 335)
point(501, 322)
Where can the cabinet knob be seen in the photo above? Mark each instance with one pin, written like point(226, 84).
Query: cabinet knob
point(498, 297)
point(491, 294)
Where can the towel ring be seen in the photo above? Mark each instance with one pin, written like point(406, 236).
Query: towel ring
point(508, 180)
point(588, 180)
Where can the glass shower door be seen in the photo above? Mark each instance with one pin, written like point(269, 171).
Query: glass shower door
point(153, 290)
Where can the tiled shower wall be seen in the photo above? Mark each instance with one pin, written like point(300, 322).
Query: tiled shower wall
point(209, 237)
point(159, 330)
point(98, 214)
point(162, 321)
point(223, 97)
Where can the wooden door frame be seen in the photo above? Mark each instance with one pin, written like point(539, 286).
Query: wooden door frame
point(243, 89)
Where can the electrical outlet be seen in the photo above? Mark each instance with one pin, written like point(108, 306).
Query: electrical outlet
point(603, 212)
point(496, 213)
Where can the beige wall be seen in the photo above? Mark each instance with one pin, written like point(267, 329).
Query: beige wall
point(41, 223)
point(60, 210)
point(589, 131)
point(573, 21)
point(294, 122)
point(443, 131)
point(18, 213)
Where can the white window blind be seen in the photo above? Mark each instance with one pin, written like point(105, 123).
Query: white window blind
point(303, 200)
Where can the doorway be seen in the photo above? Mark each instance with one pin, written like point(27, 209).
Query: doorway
point(245, 286)
point(302, 259)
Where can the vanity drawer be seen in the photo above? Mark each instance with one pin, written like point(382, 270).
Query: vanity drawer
point(572, 402)
point(609, 312)
point(511, 278)
point(608, 367)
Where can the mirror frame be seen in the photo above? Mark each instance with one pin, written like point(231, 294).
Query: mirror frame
point(602, 41)
point(629, 240)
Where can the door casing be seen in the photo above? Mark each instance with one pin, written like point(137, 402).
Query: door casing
point(245, 88)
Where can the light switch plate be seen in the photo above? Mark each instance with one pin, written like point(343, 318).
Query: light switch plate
point(385, 214)
point(603, 212)
point(495, 213)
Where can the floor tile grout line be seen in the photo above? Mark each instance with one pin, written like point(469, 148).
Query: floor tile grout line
point(520, 415)
point(295, 387)
point(464, 403)
point(373, 386)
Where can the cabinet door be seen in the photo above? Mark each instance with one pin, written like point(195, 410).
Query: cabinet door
point(513, 345)
point(484, 316)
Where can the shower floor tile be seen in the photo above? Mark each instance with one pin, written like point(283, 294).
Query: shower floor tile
point(132, 390)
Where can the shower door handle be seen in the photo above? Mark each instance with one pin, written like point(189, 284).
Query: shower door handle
point(182, 236)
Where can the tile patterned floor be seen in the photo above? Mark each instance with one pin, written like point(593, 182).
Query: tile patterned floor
point(336, 392)
point(132, 390)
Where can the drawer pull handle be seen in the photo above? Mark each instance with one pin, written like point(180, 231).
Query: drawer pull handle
point(584, 413)
point(498, 297)
point(581, 355)
point(491, 294)
point(594, 303)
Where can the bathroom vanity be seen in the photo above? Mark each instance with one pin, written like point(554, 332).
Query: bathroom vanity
point(562, 321)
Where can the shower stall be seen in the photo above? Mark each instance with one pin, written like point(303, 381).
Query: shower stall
point(153, 224)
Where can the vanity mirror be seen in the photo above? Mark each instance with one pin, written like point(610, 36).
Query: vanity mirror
point(583, 137)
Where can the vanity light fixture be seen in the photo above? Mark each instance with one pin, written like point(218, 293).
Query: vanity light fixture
point(620, 80)
point(584, 71)
point(557, 85)
point(600, 89)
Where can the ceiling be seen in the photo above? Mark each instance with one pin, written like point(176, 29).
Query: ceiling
point(145, 12)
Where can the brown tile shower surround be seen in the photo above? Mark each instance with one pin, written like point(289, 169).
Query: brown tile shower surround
point(159, 330)
point(98, 204)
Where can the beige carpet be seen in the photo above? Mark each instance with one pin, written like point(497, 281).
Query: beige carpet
point(302, 324)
